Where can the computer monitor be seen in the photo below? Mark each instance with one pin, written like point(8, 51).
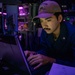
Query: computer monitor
point(11, 52)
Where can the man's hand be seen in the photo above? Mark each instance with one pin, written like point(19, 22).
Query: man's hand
point(28, 53)
point(39, 60)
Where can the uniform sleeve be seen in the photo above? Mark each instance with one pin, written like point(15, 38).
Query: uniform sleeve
point(43, 46)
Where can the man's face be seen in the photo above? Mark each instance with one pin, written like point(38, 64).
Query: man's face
point(50, 25)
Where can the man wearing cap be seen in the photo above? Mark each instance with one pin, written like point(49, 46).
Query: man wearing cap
point(57, 41)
